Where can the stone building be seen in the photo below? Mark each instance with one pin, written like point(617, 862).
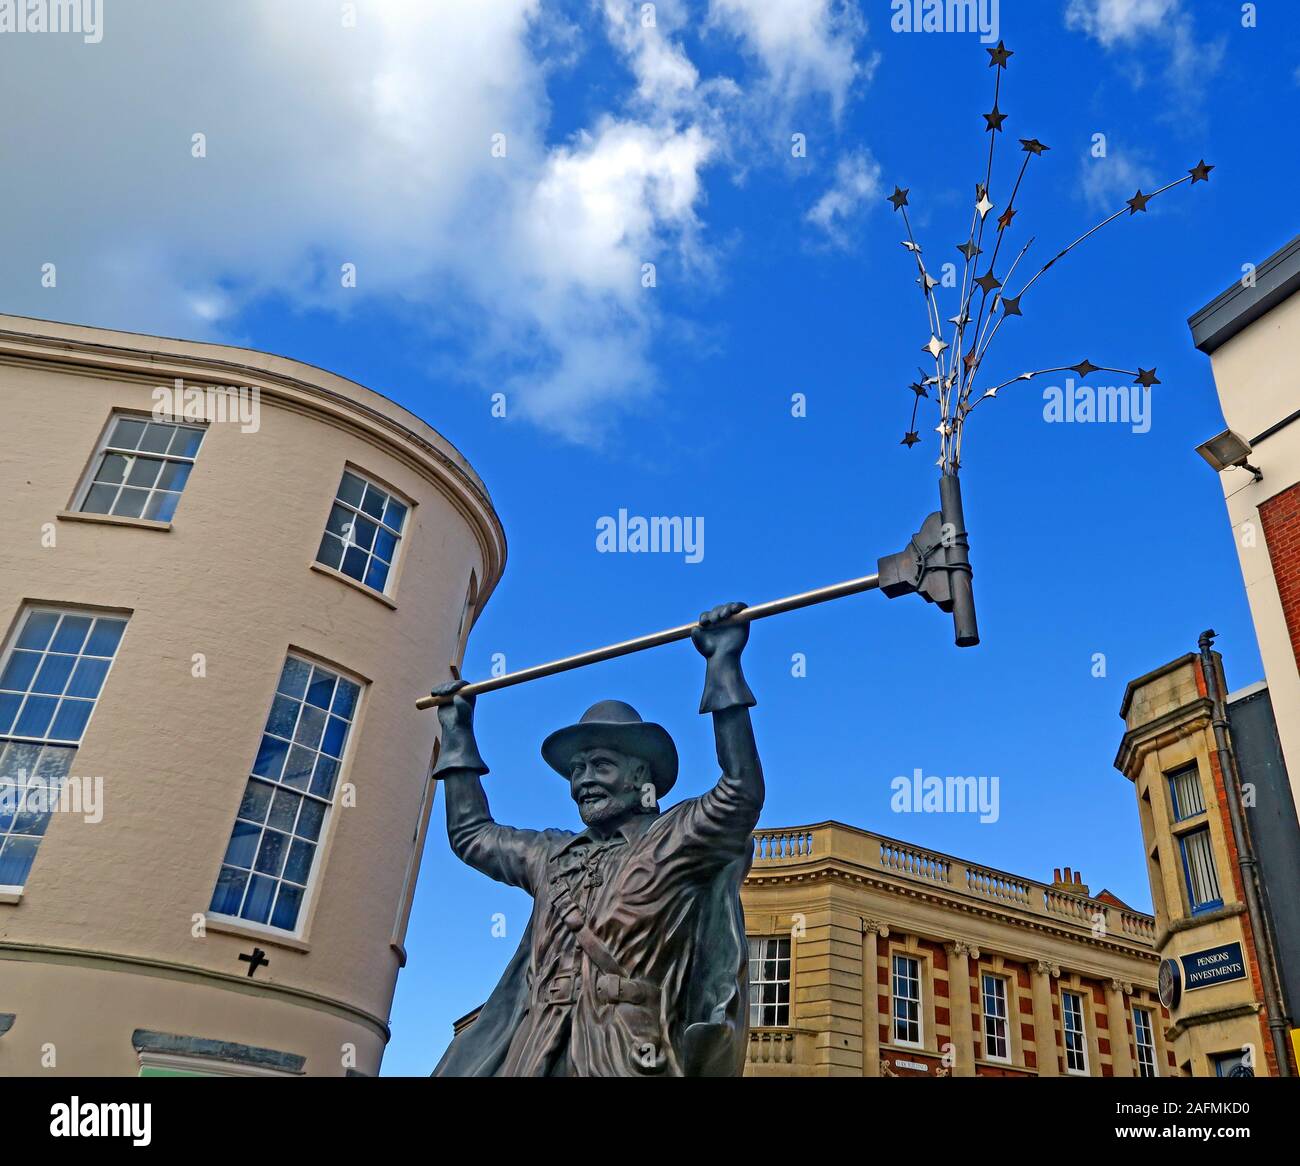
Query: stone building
point(218, 609)
point(870, 956)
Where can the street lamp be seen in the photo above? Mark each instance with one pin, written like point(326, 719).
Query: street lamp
point(1227, 450)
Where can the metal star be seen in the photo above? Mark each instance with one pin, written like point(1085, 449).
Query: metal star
point(970, 360)
point(999, 55)
point(960, 320)
point(969, 249)
point(899, 197)
point(919, 390)
point(1138, 203)
point(927, 281)
point(988, 281)
point(943, 428)
point(983, 205)
point(1011, 305)
point(912, 247)
point(1033, 146)
point(1200, 172)
point(935, 347)
point(1085, 367)
point(1004, 219)
point(1147, 377)
point(910, 438)
point(995, 120)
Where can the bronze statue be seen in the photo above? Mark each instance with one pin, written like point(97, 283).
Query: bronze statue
point(634, 962)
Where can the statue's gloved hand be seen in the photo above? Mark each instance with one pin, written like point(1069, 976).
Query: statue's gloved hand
point(721, 644)
point(457, 749)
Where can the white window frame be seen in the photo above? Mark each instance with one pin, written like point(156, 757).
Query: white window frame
point(758, 953)
point(103, 448)
point(400, 535)
point(1149, 1045)
point(1204, 873)
point(991, 1019)
point(915, 1002)
point(25, 613)
point(327, 820)
point(1082, 1010)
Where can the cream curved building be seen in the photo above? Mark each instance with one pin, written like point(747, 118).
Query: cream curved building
point(218, 609)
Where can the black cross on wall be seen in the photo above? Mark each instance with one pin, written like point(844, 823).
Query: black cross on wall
point(257, 959)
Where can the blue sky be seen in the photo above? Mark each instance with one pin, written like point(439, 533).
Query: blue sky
point(775, 275)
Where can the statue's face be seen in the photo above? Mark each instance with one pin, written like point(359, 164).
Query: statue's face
point(608, 786)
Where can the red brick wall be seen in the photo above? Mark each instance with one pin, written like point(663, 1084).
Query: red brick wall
point(1280, 517)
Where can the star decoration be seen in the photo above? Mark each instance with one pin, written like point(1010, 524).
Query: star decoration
point(1033, 146)
point(919, 389)
point(983, 205)
point(899, 198)
point(1200, 172)
point(912, 247)
point(988, 281)
point(960, 320)
point(999, 55)
point(927, 281)
point(995, 120)
point(910, 438)
point(1085, 367)
point(1138, 203)
point(943, 428)
point(1004, 219)
point(993, 392)
point(1011, 305)
point(935, 347)
point(969, 249)
point(1147, 377)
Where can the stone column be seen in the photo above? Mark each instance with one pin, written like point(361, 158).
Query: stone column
point(1121, 1059)
point(1041, 975)
point(959, 1008)
point(872, 932)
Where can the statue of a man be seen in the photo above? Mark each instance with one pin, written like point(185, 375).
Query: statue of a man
point(634, 962)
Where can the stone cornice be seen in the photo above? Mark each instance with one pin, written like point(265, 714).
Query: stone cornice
point(1165, 730)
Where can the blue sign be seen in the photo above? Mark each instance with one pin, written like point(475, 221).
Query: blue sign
point(1214, 965)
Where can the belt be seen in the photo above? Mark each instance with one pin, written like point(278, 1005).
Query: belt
point(565, 987)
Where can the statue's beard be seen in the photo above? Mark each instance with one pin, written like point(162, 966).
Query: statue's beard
point(609, 808)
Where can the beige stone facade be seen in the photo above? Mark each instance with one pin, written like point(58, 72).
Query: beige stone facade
point(113, 958)
point(907, 962)
point(1169, 754)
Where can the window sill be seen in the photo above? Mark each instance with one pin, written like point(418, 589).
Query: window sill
point(112, 520)
point(11, 897)
point(378, 596)
point(244, 931)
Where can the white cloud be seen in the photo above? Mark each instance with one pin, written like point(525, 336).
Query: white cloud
point(1130, 23)
point(806, 47)
point(372, 145)
point(857, 181)
point(1109, 21)
point(1107, 182)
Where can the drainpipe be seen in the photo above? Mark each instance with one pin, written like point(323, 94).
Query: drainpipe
point(1278, 1023)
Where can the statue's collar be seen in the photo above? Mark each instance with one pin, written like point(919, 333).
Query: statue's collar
point(629, 831)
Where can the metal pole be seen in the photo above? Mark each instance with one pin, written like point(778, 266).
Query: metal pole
point(668, 636)
point(1247, 864)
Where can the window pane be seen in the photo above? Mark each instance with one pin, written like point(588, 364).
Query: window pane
point(286, 907)
point(374, 501)
point(297, 772)
point(257, 799)
point(143, 472)
point(37, 630)
point(284, 810)
point(9, 702)
point(161, 506)
point(71, 636)
point(185, 442)
point(354, 563)
point(320, 692)
point(71, 720)
point(298, 866)
point(106, 636)
point(336, 732)
point(311, 724)
point(38, 712)
point(310, 819)
point(377, 574)
point(112, 470)
point(157, 437)
point(16, 859)
point(130, 502)
point(322, 784)
point(330, 551)
point(243, 844)
point(229, 892)
point(257, 906)
point(395, 514)
point(54, 673)
point(284, 716)
point(345, 699)
point(127, 433)
point(293, 680)
point(351, 489)
point(20, 671)
point(270, 757)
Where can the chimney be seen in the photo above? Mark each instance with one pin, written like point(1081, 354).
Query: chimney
point(1071, 884)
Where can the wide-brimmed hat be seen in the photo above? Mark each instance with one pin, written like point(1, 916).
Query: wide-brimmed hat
point(619, 726)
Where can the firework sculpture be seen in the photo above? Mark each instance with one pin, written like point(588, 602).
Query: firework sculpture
point(935, 564)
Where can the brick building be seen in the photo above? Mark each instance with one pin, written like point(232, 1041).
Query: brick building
point(873, 957)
